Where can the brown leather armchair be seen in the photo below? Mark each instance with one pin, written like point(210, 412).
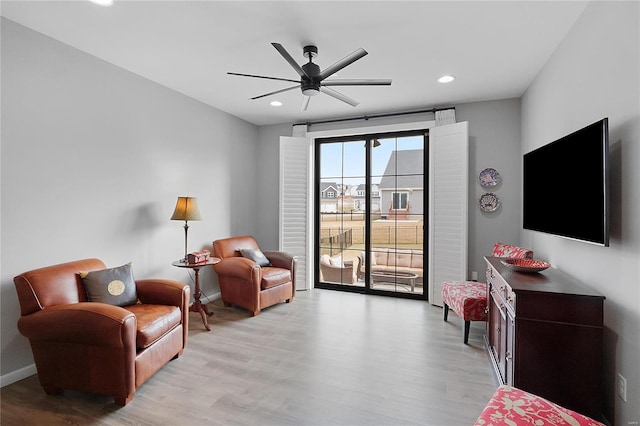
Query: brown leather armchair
point(97, 347)
point(246, 284)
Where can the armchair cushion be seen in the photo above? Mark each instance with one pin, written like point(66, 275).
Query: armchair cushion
point(153, 322)
point(114, 286)
point(336, 261)
point(272, 277)
point(256, 255)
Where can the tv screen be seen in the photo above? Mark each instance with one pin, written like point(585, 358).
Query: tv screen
point(565, 186)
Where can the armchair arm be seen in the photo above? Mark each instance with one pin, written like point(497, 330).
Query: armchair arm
point(355, 263)
point(281, 259)
point(164, 292)
point(167, 292)
point(91, 323)
point(239, 268)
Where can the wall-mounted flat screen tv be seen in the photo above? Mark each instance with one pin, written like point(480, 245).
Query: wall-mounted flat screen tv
point(566, 186)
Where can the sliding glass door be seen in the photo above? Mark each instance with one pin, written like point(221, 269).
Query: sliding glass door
point(342, 212)
point(371, 198)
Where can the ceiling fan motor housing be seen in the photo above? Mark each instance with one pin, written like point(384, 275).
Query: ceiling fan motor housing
point(310, 85)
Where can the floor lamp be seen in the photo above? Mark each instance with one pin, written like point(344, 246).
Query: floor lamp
point(186, 209)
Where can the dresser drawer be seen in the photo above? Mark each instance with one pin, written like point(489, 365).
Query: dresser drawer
point(500, 286)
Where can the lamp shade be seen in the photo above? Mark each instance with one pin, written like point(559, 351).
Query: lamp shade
point(186, 209)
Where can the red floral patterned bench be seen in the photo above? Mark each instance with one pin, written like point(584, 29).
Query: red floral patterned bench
point(468, 299)
point(512, 406)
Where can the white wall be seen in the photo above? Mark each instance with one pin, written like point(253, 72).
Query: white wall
point(93, 159)
point(594, 74)
point(267, 232)
point(494, 141)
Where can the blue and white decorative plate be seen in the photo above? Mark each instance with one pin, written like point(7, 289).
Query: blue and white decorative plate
point(489, 202)
point(489, 177)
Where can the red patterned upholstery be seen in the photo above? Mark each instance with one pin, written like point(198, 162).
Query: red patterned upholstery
point(515, 252)
point(513, 406)
point(468, 299)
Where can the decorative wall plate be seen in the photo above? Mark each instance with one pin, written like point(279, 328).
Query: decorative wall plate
point(525, 265)
point(489, 202)
point(489, 177)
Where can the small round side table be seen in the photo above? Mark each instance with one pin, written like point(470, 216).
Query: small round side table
point(197, 305)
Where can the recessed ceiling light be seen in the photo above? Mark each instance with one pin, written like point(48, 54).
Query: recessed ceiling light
point(276, 103)
point(446, 79)
point(102, 2)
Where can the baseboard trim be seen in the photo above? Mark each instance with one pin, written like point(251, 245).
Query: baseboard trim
point(17, 375)
point(211, 298)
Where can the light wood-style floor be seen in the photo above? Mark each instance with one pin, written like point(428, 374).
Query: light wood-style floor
point(328, 358)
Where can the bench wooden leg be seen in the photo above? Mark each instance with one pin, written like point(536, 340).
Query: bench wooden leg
point(446, 311)
point(467, 324)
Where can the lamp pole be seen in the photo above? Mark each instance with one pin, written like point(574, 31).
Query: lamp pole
point(186, 231)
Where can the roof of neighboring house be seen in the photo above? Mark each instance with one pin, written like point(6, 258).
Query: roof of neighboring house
point(405, 169)
point(326, 185)
point(362, 186)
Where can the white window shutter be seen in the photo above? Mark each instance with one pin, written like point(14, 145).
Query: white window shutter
point(294, 190)
point(448, 206)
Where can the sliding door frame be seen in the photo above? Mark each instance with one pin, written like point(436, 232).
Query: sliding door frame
point(368, 138)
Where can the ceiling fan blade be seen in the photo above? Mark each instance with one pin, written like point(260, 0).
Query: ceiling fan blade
point(263, 76)
point(289, 59)
point(347, 60)
point(357, 82)
point(339, 96)
point(305, 102)
point(276, 92)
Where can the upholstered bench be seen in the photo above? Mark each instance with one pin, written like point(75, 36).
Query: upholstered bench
point(468, 299)
point(513, 406)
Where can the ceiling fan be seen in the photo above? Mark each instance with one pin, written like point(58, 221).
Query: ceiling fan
point(313, 80)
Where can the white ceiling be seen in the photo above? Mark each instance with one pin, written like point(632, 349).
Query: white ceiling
point(494, 48)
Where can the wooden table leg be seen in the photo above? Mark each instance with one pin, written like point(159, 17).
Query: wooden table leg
point(198, 306)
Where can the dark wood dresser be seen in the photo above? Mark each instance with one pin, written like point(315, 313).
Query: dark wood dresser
point(544, 335)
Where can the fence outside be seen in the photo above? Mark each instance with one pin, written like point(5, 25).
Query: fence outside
point(336, 239)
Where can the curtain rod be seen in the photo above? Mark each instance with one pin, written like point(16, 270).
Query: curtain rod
point(367, 117)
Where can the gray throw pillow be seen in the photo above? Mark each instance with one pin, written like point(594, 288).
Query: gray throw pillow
point(114, 286)
point(256, 255)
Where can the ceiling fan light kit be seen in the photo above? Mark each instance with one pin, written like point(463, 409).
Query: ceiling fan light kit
point(313, 80)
